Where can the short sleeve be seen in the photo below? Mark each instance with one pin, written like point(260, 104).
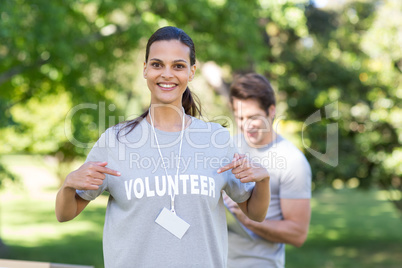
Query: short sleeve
point(297, 181)
point(235, 189)
point(98, 153)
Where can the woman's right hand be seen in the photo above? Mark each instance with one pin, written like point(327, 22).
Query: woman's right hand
point(89, 176)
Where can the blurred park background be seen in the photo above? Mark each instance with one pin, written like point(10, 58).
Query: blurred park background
point(69, 69)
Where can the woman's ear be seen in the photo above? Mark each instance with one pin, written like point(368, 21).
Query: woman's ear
point(144, 72)
point(192, 72)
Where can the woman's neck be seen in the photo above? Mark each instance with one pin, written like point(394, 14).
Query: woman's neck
point(167, 118)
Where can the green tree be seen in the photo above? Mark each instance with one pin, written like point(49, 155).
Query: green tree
point(350, 55)
point(69, 70)
point(67, 67)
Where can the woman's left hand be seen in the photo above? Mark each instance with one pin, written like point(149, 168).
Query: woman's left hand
point(245, 170)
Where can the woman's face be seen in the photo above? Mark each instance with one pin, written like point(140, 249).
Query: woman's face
point(168, 71)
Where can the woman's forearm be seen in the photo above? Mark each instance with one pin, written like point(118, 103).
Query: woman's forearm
point(258, 203)
point(66, 204)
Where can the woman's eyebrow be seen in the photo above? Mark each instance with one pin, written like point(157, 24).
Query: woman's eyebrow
point(155, 59)
point(180, 60)
point(175, 61)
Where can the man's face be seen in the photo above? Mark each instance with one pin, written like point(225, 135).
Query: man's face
point(254, 122)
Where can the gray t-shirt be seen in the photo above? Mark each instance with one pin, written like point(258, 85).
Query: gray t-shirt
point(131, 237)
point(290, 178)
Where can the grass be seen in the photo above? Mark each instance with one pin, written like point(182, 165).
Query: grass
point(349, 228)
point(28, 224)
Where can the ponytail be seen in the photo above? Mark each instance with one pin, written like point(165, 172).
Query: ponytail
point(191, 103)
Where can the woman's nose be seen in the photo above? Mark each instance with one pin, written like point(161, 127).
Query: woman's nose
point(167, 73)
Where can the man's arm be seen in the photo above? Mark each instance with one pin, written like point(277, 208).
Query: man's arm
point(293, 229)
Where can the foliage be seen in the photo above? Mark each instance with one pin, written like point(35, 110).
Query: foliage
point(67, 72)
point(342, 65)
point(5, 175)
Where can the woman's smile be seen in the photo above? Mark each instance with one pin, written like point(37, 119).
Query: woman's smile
point(167, 86)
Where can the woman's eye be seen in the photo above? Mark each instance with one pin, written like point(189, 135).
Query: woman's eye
point(155, 64)
point(180, 66)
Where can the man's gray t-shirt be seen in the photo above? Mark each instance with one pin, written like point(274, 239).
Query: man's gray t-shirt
point(131, 237)
point(290, 178)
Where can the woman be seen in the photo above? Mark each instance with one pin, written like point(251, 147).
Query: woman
point(165, 172)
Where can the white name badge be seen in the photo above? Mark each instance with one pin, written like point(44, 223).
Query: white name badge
point(173, 223)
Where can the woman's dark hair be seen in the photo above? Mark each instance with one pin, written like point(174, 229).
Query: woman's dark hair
point(190, 102)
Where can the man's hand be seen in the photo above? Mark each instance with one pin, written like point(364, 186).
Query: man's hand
point(245, 170)
point(89, 176)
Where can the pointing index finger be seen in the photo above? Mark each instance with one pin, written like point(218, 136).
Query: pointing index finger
point(229, 166)
point(109, 171)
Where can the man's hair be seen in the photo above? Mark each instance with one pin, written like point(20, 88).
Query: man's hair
point(253, 86)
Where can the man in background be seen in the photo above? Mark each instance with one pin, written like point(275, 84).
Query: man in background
point(288, 217)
